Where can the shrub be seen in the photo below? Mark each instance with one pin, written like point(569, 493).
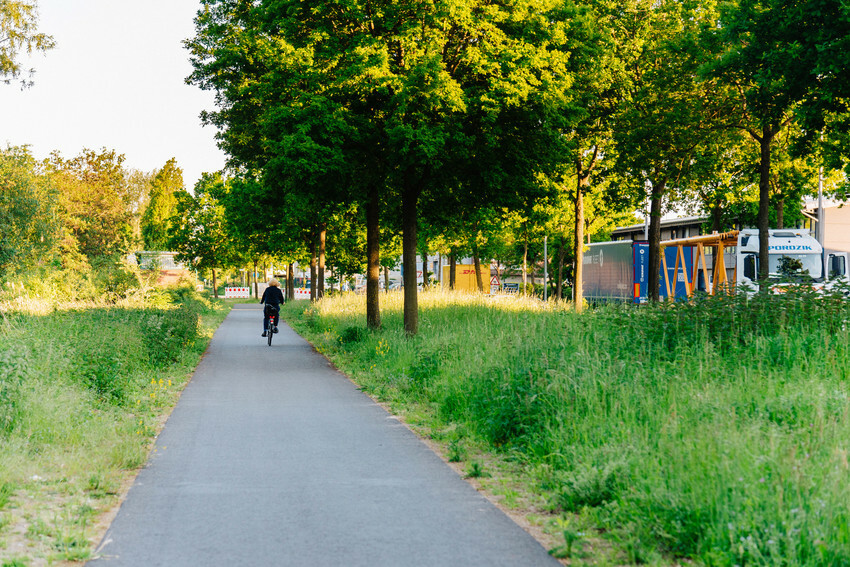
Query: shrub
point(590, 486)
point(352, 335)
point(100, 370)
point(167, 331)
point(14, 367)
point(115, 279)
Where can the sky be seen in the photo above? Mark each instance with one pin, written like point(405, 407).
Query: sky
point(115, 80)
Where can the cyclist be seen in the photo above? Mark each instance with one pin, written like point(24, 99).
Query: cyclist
point(273, 298)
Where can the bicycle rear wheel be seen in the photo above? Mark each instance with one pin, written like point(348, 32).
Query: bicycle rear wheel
point(271, 330)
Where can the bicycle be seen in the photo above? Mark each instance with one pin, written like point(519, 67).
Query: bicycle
point(274, 318)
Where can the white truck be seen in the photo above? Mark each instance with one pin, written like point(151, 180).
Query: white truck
point(795, 255)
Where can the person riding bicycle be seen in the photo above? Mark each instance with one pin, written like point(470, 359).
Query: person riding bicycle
point(273, 298)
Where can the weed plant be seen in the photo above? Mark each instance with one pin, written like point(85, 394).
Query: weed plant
point(715, 430)
point(82, 392)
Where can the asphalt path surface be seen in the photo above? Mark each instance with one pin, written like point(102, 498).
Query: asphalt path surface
point(272, 457)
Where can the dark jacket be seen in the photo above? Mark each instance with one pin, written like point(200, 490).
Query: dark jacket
point(272, 296)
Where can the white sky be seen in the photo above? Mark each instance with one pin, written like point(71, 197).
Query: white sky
point(116, 80)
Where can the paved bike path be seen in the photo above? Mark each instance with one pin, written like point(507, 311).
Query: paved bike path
point(273, 458)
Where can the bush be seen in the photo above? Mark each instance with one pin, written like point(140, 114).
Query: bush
point(167, 332)
point(115, 279)
point(14, 368)
point(352, 335)
point(100, 370)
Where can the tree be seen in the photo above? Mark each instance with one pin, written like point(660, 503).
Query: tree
point(156, 220)
point(787, 60)
point(29, 221)
point(199, 229)
point(382, 102)
point(91, 188)
point(136, 198)
point(19, 32)
point(671, 111)
point(600, 44)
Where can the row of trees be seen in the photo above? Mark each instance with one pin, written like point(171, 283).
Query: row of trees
point(81, 212)
point(447, 119)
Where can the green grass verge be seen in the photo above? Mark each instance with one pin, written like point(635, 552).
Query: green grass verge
point(83, 392)
point(715, 431)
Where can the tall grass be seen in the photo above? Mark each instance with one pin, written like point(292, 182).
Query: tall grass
point(83, 388)
point(715, 430)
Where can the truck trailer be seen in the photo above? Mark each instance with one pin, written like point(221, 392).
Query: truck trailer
point(619, 271)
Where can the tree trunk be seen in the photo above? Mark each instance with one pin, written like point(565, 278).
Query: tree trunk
point(452, 269)
point(425, 279)
point(525, 265)
point(410, 197)
point(386, 279)
point(256, 287)
point(290, 282)
point(476, 262)
point(780, 213)
point(313, 266)
point(578, 270)
point(320, 285)
point(373, 260)
point(215, 285)
point(654, 276)
point(764, 206)
point(583, 171)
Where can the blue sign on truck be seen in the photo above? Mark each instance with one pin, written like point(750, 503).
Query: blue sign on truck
point(619, 271)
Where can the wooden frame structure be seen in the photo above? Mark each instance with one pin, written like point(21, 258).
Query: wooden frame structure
point(718, 241)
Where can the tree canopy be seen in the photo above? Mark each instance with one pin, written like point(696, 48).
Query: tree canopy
point(437, 120)
point(19, 34)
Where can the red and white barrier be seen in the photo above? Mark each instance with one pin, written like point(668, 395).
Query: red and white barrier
point(237, 292)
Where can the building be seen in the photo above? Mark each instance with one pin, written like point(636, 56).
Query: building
point(836, 224)
point(671, 228)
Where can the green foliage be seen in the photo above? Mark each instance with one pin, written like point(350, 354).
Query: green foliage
point(82, 391)
point(476, 470)
point(28, 213)
point(14, 369)
point(713, 430)
point(199, 231)
point(156, 220)
point(167, 332)
point(93, 196)
point(352, 335)
point(6, 491)
point(115, 279)
point(19, 33)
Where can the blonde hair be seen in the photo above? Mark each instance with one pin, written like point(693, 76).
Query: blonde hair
point(274, 282)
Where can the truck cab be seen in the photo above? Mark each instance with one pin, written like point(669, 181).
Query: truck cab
point(795, 257)
point(836, 264)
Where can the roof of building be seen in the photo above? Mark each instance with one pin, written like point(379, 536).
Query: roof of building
point(678, 221)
